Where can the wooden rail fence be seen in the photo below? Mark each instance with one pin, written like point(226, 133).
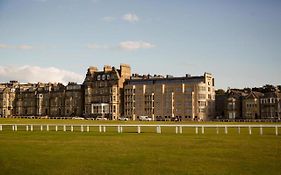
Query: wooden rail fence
point(120, 127)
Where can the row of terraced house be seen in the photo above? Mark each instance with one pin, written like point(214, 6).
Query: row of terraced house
point(249, 104)
point(112, 93)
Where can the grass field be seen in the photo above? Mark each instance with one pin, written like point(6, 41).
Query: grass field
point(61, 152)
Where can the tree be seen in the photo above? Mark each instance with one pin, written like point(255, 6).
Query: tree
point(269, 88)
point(220, 92)
point(279, 88)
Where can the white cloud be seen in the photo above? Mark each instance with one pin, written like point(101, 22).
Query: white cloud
point(130, 17)
point(98, 46)
point(134, 45)
point(108, 18)
point(22, 46)
point(4, 46)
point(25, 47)
point(35, 74)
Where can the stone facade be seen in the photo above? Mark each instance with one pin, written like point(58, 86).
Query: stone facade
point(263, 103)
point(104, 91)
point(41, 100)
point(180, 98)
point(233, 104)
point(220, 103)
point(112, 93)
point(251, 105)
point(271, 105)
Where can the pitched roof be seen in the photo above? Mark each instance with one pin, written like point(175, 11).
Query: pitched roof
point(253, 95)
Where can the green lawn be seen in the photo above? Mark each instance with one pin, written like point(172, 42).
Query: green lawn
point(61, 152)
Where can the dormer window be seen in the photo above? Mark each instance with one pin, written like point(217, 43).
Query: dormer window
point(108, 77)
point(103, 77)
point(112, 77)
point(98, 78)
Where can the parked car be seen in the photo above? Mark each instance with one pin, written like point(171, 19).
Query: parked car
point(145, 118)
point(90, 118)
point(77, 118)
point(123, 118)
point(101, 118)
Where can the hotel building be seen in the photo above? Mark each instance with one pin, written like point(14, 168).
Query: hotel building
point(170, 98)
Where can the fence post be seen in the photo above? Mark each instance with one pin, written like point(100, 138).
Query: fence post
point(88, 128)
point(239, 131)
point(276, 130)
point(64, 128)
point(177, 130)
point(1, 128)
point(56, 127)
point(26, 127)
point(250, 130)
point(139, 129)
point(225, 130)
point(196, 130)
point(13, 128)
point(47, 127)
point(82, 128)
point(202, 130)
point(104, 128)
point(180, 129)
point(261, 131)
point(71, 128)
point(118, 129)
point(31, 127)
point(100, 128)
point(16, 127)
point(158, 129)
point(41, 128)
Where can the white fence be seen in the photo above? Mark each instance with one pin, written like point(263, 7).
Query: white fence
point(178, 129)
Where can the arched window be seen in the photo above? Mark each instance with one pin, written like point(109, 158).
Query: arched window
point(103, 77)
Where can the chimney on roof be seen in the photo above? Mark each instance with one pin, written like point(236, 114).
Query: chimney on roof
point(125, 70)
point(92, 70)
point(107, 68)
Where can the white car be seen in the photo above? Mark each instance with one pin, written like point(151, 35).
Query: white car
point(145, 118)
point(123, 118)
point(101, 118)
point(77, 118)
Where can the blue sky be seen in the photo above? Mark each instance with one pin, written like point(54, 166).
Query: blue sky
point(238, 41)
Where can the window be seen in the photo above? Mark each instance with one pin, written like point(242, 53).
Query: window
point(103, 77)
point(114, 109)
point(202, 110)
point(201, 103)
point(108, 77)
point(202, 88)
point(202, 96)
